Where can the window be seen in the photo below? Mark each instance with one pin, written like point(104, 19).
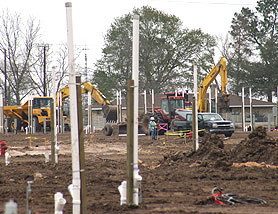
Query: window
point(209, 117)
point(189, 117)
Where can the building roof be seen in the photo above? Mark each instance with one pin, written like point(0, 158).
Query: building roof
point(235, 101)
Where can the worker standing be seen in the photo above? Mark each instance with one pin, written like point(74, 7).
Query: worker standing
point(153, 128)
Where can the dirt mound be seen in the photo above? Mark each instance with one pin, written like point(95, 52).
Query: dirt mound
point(258, 147)
point(210, 153)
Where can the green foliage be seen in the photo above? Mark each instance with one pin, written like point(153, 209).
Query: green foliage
point(256, 46)
point(167, 53)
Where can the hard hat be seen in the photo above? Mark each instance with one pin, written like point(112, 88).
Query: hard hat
point(152, 118)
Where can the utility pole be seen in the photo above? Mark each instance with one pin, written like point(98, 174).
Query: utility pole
point(44, 71)
point(44, 46)
point(86, 63)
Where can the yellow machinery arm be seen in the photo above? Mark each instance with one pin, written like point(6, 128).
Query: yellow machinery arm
point(110, 111)
point(221, 68)
point(86, 87)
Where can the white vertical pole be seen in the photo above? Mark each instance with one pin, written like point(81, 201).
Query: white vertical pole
point(54, 116)
point(145, 102)
point(135, 77)
point(1, 114)
point(117, 106)
point(276, 121)
point(216, 101)
point(73, 115)
point(89, 113)
point(30, 115)
point(243, 109)
point(152, 101)
point(61, 113)
point(120, 107)
point(196, 106)
point(58, 112)
point(251, 111)
point(209, 91)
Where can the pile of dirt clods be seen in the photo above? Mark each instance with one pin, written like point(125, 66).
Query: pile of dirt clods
point(258, 147)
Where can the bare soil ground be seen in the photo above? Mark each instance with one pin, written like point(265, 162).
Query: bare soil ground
point(175, 179)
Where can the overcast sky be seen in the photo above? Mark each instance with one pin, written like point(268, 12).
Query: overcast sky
point(92, 19)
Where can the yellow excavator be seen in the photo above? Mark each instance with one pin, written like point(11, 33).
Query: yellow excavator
point(221, 68)
point(109, 110)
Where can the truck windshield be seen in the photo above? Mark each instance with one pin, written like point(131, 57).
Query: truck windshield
point(209, 117)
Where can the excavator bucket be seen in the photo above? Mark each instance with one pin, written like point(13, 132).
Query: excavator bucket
point(224, 101)
point(110, 113)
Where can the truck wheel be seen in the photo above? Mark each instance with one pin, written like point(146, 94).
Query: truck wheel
point(108, 130)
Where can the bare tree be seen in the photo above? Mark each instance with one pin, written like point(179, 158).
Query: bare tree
point(18, 40)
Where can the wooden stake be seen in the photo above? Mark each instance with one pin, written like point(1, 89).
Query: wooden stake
point(52, 133)
point(81, 147)
point(193, 124)
point(130, 143)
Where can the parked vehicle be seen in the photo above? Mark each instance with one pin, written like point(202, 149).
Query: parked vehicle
point(210, 122)
point(166, 112)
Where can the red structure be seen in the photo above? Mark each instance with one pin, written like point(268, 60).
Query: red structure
point(3, 148)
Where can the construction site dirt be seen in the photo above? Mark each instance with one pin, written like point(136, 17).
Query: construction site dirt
point(174, 178)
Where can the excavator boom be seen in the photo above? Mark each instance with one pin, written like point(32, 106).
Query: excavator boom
point(221, 68)
point(110, 111)
point(86, 87)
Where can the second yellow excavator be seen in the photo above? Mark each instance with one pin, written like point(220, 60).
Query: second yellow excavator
point(221, 68)
point(109, 110)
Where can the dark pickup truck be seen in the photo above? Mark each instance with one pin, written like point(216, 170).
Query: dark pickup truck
point(210, 122)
